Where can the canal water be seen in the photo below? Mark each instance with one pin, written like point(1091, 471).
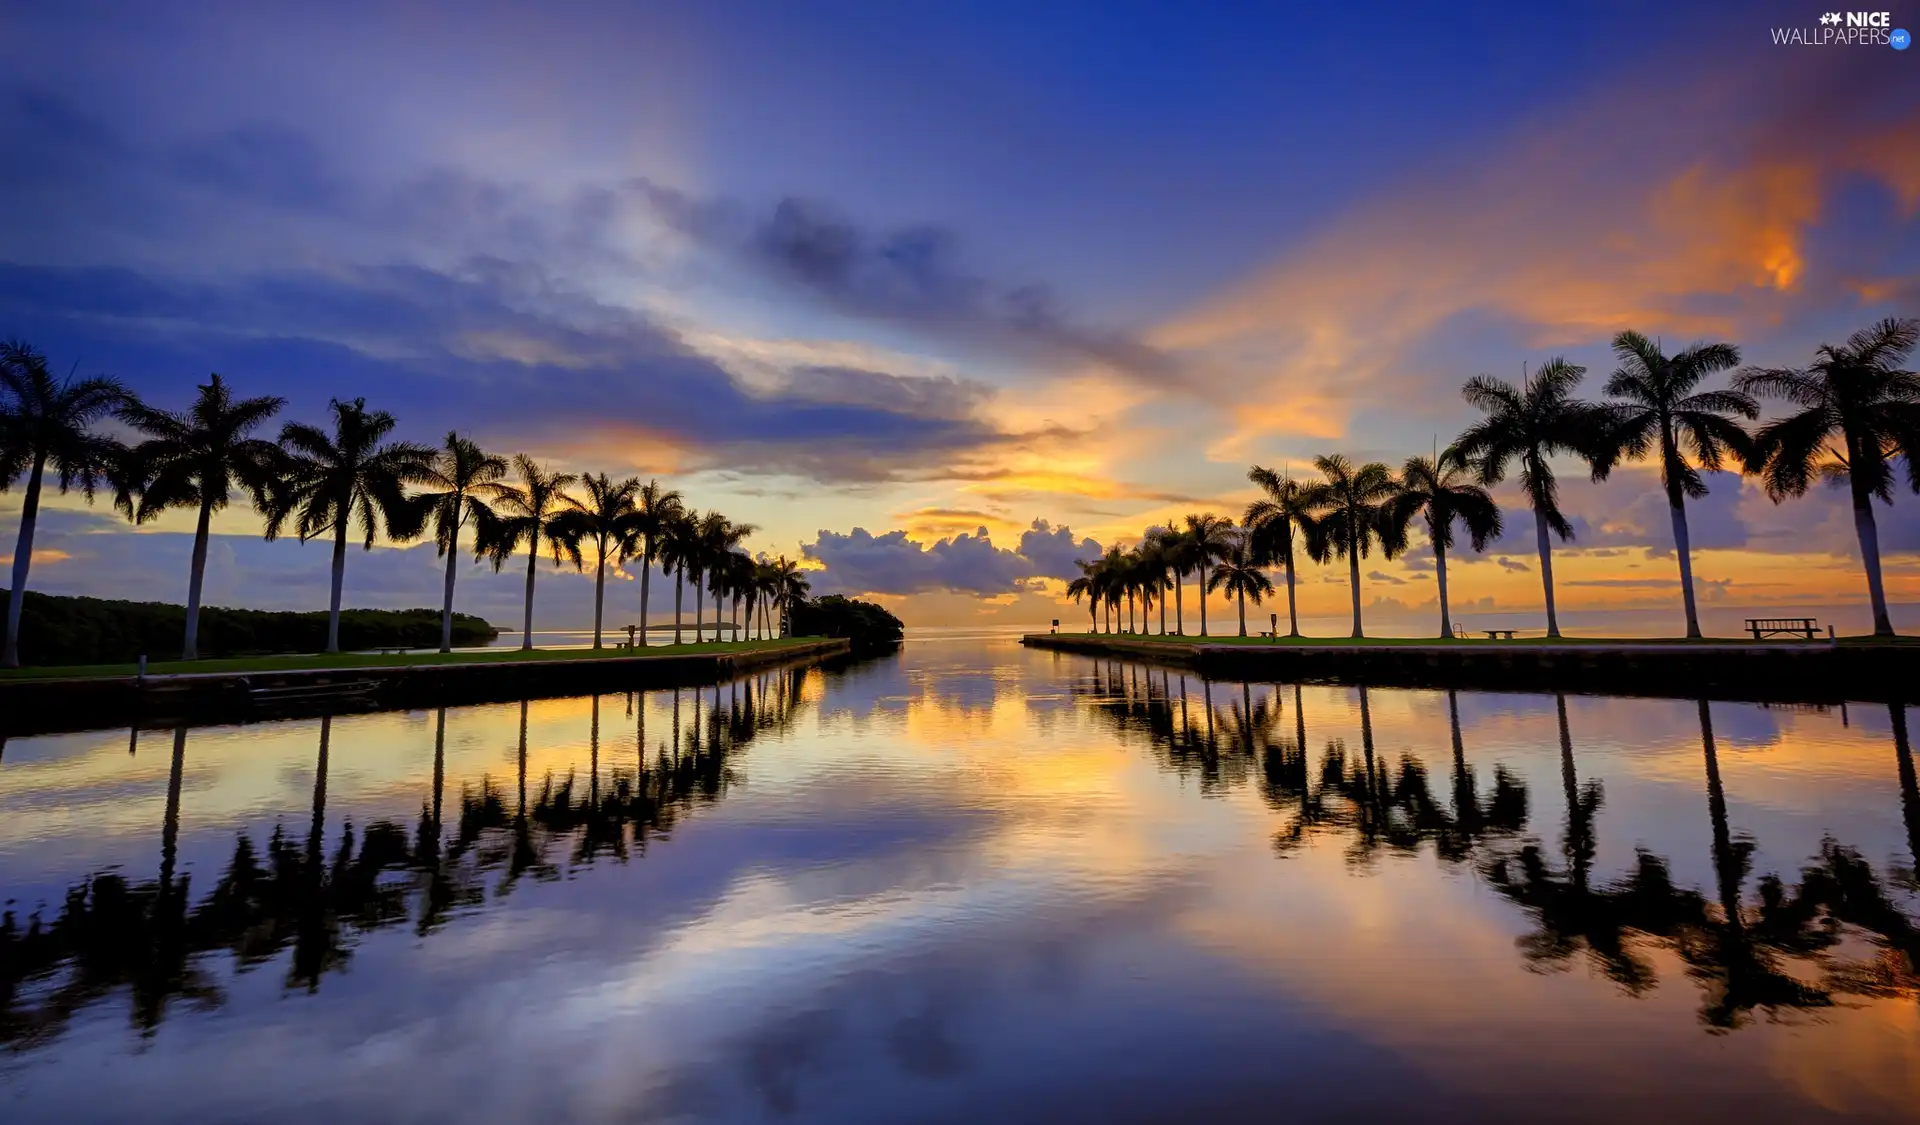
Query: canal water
point(969, 882)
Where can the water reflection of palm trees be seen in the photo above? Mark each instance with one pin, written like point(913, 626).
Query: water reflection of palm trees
point(290, 898)
point(1778, 950)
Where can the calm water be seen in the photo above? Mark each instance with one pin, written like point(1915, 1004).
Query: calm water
point(969, 883)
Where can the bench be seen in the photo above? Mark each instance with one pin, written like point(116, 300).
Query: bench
point(1498, 634)
point(1773, 626)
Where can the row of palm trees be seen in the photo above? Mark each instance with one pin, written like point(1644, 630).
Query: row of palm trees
point(352, 480)
point(1855, 419)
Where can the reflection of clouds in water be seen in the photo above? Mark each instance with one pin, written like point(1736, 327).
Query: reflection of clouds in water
point(1009, 902)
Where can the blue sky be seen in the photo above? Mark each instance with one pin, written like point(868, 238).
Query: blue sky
point(937, 268)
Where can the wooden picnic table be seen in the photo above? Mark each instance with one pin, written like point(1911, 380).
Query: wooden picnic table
point(1498, 634)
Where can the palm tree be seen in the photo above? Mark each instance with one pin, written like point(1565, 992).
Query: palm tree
point(654, 510)
point(790, 586)
point(1662, 409)
point(525, 513)
point(458, 483)
point(1113, 566)
point(1083, 587)
point(1531, 423)
point(1207, 538)
point(1858, 411)
point(329, 482)
point(679, 544)
point(48, 423)
point(1436, 488)
point(1170, 547)
point(1358, 503)
point(1150, 573)
point(193, 460)
point(729, 580)
point(1272, 523)
point(1240, 574)
point(714, 539)
point(606, 519)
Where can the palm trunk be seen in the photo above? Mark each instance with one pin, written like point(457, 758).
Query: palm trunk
point(1909, 788)
point(1163, 610)
point(1243, 612)
point(1869, 532)
point(1440, 576)
point(1546, 569)
point(678, 571)
point(599, 590)
point(339, 581)
point(1293, 610)
point(1093, 616)
point(1682, 547)
point(190, 650)
point(1131, 626)
point(1726, 864)
point(1353, 579)
point(1179, 606)
point(646, 572)
point(699, 605)
point(446, 605)
point(22, 558)
point(1203, 597)
point(533, 557)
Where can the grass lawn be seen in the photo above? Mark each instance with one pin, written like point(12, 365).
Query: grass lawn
point(1466, 642)
point(305, 661)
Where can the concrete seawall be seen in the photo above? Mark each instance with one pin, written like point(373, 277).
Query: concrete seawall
point(91, 703)
point(1764, 671)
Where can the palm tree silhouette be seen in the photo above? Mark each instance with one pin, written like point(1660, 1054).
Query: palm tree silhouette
point(1155, 566)
point(330, 482)
point(605, 518)
point(679, 544)
point(1240, 575)
point(1663, 411)
point(1171, 549)
point(654, 510)
point(1083, 587)
point(193, 460)
point(1858, 412)
point(459, 483)
point(1274, 521)
point(1358, 506)
point(48, 423)
point(525, 514)
point(1436, 489)
point(1531, 423)
point(790, 585)
point(1207, 538)
point(715, 537)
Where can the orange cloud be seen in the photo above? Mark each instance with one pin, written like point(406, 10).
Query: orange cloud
point(1620, 215)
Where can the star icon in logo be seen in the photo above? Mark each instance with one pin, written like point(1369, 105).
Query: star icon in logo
point(1830, 18)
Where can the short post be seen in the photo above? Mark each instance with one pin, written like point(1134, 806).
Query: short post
point(1832, 641)
point(1273, 625)
point(1056, 626)
point(142, 678)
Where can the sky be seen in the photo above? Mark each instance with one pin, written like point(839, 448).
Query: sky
point(941, 297)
